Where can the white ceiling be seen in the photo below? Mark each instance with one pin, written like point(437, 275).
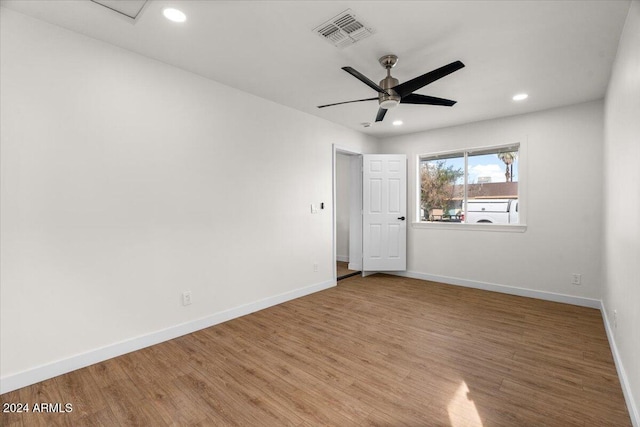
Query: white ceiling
point(560, 52)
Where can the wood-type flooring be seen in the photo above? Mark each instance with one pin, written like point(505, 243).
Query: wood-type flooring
point(381, 350)
point(342, 269)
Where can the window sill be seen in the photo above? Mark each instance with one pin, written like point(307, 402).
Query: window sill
point(515, 228)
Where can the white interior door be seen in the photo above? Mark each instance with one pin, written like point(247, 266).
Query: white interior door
point(384, 213)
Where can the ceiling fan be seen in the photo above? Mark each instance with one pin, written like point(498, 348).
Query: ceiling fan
point(391, 93)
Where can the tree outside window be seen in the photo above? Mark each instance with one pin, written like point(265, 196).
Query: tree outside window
point(438, 180)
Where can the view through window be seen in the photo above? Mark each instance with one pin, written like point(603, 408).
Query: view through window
point(479, 186)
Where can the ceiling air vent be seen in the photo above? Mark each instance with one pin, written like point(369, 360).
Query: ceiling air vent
point(343, 30)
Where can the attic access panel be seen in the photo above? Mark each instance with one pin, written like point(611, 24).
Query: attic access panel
point(129, 8)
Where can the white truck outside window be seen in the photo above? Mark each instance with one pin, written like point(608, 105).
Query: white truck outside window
point(492, 211)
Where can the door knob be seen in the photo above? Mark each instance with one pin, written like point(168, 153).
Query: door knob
point(401, 218)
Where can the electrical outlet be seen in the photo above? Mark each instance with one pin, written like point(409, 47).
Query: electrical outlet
point(615, 319)
point(315, 267)
point(576, 279)
point(186, 298)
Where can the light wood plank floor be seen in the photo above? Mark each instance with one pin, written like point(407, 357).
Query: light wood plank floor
point(380, 350)
point(342, 269)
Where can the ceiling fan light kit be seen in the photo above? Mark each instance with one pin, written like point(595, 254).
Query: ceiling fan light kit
point(391, 92)
point(389, 103)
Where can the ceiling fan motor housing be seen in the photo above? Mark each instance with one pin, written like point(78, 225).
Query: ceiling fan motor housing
point(392, 99)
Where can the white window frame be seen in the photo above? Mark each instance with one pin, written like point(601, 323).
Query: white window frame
point(522, 202)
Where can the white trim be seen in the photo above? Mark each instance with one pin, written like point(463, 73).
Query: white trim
point(622, 375)
point(334, 238)
point(342, 258)
point(22, 379)
point(510, 228)
point(335, 149)
point(355, 212)
point(511, 290)
point(472, 150)
point(347, 151)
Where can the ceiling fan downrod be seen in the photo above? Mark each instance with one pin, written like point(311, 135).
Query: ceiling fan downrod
point(391, 99)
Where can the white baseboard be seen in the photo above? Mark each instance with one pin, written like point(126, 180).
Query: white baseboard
point(342, 258)
point(624, 381)
point(59, 367)
point(512, 290)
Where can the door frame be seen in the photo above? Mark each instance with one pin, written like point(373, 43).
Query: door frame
point(336, 149)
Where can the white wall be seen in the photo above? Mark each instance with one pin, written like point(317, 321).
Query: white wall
point(342, 206)
point(126, 181)
point(561, 174)
point(622, 204)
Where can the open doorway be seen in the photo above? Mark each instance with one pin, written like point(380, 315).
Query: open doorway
point(369, 212)
point(347, 213)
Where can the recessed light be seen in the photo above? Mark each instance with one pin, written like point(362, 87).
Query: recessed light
point(174, 15)
point(397, 123)
point(520, 97)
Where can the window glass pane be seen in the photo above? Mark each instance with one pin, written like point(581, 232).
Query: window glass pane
point(492, 190)
point(490, 194)
point(442, 188)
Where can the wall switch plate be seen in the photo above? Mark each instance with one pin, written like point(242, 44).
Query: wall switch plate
point(576, 279)
point(315, 267)
point(314, 209)
point(186, 298)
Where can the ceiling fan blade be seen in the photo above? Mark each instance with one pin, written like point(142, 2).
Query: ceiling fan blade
point(412, 85)
point(348, 102)
point(415, 98)
point(381, 113)
point(364, 79)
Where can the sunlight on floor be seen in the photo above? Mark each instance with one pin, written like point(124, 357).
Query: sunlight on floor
point(462, 410)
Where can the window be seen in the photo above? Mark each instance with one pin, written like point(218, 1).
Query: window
point(477, 186)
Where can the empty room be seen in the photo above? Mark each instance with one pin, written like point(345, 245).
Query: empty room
point(306, 213)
